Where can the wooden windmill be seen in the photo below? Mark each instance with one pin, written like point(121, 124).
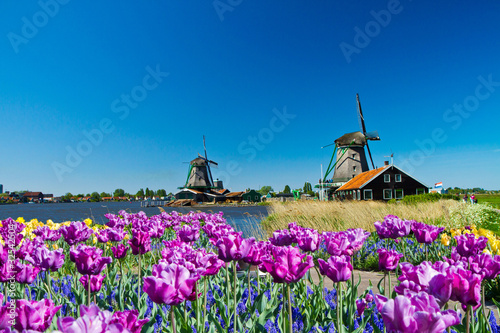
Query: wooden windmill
point(349, 158)
point(199, 174)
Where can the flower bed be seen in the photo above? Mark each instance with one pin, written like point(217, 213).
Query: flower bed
point(193, 272)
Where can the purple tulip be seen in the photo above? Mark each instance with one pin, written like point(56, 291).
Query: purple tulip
point(45, 259)
point(76, 232)
point(361, 306)
point(466, 286)
point(35, 315)
point(189, 233)
point(356, 238)
point(27, 273)
point(91, 320)
point(415, 313)
point(281, 238)
point(103, 236)
point(468, 245)
point(25, 249)
point(9, 270)
point(129, 320)
point(95, 282)
point(140, 242)
point(234, 247)
point(47, 234)
point(337, 244)
point(338, 268)
point(11, 232)
point(486, 265)
point(88, 259)
point(257, 250)
point(116, 234)
point(285, 264)
point(119, 251)
point(170, 284)
point(308, 239)
point(388, 259)
point(425, 233)
point(393, 227)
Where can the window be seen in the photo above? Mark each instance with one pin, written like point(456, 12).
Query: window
point(354, 169)
point(353, 176)
point(359, 195)
point(397, 178)
point(387, 194)
point(256, 198)
point(387, 178)
point(353, 156)
point(398, 193)
point(420, 191)
point(368, 194)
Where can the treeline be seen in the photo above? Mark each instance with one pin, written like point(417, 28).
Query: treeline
point(118, 193)
point(477, 190)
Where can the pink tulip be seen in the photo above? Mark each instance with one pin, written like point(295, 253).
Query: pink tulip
point(338, 268)
point(285, 264)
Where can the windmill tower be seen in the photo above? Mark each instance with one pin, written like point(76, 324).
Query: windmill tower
point(349, 154)
point(199, 174)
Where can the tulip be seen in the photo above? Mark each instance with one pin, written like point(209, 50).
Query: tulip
point(34, 315)
point(415, 313)
point(129, 320)
point(388, 260)
point(285, 264)
point(27, 273)
point(189, 233)
point(91, 319)
point(116, 234)
point(119, 251)
point(9, 270)
point(45, 259)
point(338, 268)
point(393, 227)
point(356, 238)
point(76, 232)
point(170, 284)
point(281, 238)
point(425, 233)
point(486, 265)
point(308, 239)
point(140, 242)
point(257, 250)
point(47, 234)
point(88, 259)
point(361, 306)
point(25, 249)
point(234, 247)
point(466, 286)
point(468, 245)
point(95, 282)
point(337, 244)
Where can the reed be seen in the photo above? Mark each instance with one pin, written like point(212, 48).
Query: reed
point(337, 216)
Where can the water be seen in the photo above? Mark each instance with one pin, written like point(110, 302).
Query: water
point(246, 219)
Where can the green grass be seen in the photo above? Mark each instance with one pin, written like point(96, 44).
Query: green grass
point(491, 199)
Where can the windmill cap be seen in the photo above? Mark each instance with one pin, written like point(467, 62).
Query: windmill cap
point(356, 138)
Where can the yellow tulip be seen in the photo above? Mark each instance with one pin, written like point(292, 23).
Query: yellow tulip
point(445, 239)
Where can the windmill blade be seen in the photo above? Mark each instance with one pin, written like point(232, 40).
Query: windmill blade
point(331, 144)
point(208, 163)
point(370, 154)
point(360, 115)
point(212, 162)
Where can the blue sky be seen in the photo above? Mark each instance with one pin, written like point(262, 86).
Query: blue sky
point(146, 80)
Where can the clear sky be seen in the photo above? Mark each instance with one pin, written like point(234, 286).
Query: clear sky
point(118, 94)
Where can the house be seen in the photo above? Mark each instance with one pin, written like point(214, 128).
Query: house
point(32, 196)
point(234, 196)
point(48, 197)
point(251, 196)
point(385, 183)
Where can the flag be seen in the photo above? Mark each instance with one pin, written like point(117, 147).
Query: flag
point(440, 184)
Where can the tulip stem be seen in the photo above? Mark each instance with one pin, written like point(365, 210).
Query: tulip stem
point(339, 307)
point(172, 318)
point(88, 289)
point(248, 278)
point(47, 276)
point(467, 320)
point(139, 289)
point(289, 308)
point(204, 300)
point(258, 280)
point(389, 290)
point(235, 326)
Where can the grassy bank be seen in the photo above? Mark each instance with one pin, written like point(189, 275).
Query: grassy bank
point(336, 216)
point(490, 199)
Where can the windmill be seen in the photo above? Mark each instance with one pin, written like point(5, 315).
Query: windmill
point(199, 174)
point(349, 153)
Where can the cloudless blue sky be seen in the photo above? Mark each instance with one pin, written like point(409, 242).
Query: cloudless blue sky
point(227, 72)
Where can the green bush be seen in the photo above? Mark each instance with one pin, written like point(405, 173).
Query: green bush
point(428, 197)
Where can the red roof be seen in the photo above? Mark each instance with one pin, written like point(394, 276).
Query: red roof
point(361, 179)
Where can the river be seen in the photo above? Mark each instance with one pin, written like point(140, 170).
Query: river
point(245, 219)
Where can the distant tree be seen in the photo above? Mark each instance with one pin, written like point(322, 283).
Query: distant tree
point(119, 193)
point(140, 193)
point(95, 197)
point(80, 195)
point(307, 187)
point(67, 196)
point(161, 193)
point(148, 192)
point(287, 189)
point(264, 190)
point(311, 193)
point(104, 194)
point(87, 195)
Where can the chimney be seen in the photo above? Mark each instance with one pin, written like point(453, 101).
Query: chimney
point(386, 162)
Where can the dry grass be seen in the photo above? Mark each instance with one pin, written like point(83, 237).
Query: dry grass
point(336, 216)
